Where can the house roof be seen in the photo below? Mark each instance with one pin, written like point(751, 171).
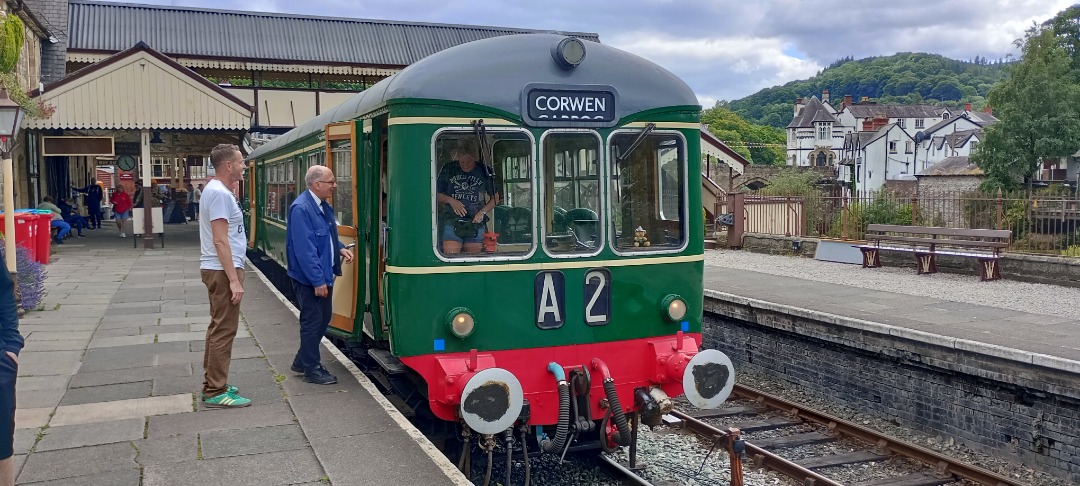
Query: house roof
point(878, 134)
point(952, 166)
point(979, 118)
point(230, 34)
point(139, 88)
point(814, 111)
point(958, 139)
point(896, 111)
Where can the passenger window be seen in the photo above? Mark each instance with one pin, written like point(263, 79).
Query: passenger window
point(648, 192)
point(341, 164)
point(483, 194)
point(571, 193)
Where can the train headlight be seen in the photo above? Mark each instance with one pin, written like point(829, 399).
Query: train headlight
point(461, 322)
point(674, 308)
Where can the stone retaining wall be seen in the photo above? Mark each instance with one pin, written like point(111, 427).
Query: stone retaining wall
point(1014, 405)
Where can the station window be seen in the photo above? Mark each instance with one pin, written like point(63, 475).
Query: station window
point(484, 194)
point(571, 179)
point(648, 192)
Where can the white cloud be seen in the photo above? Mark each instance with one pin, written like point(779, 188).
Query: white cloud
point(720, 68)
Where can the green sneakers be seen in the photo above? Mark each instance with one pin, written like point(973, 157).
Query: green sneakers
point(228, 389)
point(226, 400)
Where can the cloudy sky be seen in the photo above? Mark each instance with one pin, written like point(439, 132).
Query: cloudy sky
point(724, 49)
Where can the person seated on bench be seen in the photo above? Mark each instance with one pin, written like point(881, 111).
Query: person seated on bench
point(57, 219)
point(71, 216)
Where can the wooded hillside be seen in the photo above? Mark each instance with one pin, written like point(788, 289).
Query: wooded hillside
point(901, 78)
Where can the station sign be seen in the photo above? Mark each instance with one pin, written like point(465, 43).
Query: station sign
point(546, 105)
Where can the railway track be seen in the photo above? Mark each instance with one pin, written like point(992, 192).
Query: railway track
point(789, 431)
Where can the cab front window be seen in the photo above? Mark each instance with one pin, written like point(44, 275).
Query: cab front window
point(483, 194)
point(571, 178)
point(648, 192)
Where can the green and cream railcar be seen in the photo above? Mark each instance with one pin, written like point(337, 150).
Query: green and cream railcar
point(587, 292)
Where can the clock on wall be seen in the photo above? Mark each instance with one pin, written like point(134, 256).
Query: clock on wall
point(125, 162)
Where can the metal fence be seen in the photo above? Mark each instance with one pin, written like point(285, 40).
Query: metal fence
point(1042, 221)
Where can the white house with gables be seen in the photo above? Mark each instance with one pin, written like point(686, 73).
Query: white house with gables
point(871, 157)
point(815, 136)
point(955, 137)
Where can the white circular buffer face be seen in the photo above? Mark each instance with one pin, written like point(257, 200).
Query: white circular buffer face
point(491, 401)
point(708, 379)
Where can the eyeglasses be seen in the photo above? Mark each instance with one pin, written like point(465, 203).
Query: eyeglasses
point(331, 182)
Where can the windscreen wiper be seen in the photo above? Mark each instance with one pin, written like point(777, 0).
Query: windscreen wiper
point(622, 156)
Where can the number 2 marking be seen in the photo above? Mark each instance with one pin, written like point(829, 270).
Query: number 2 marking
point(601, 287)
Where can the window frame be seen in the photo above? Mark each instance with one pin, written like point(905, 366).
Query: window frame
point(601, 174)
point(609, 209)
point(433, 169)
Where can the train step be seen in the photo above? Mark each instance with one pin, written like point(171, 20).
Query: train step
point(388, 362)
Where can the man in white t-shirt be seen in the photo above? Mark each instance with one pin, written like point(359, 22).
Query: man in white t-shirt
point(223, 242)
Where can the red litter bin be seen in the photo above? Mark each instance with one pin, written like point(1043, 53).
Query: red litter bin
point(26, 229)
point(43, 236)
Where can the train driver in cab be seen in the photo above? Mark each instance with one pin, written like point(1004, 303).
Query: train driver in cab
point(466, 195)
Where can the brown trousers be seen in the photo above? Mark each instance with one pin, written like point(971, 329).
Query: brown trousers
point(224, 320)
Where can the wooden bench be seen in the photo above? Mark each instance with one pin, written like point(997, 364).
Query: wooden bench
point(926, 242)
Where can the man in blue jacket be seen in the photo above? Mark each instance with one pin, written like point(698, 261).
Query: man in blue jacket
point(314, 255)
point(10, 344)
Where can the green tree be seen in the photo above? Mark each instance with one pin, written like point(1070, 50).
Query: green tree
point(760, 144)
point(1039, 108)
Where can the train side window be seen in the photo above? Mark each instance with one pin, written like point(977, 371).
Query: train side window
point(648, 192)
point(341, 164)
point(503, 184)
point(571, 192)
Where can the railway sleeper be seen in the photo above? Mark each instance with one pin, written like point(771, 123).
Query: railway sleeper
point(724, 412)
point(794, 440)
point(763, 425)
point(840, 460)
point(916, 479)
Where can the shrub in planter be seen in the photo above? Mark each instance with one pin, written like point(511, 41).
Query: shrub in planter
point(31, 277)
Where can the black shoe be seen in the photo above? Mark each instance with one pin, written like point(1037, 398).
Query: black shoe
point(320, 376)
point(295, 368)
point(58, 241)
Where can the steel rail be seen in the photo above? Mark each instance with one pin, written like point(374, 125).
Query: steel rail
point(761, 457)
point(631, 475)
point(944, 466)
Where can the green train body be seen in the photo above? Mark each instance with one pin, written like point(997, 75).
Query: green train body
point(592, 268)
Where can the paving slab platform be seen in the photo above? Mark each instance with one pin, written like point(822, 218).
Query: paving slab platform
point(1051, 341)
point(110, 380)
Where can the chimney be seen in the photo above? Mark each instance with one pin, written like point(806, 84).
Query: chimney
point(798, 106)
point(847, 101)
point(988, 110)
point(864, 99)
point(824, 96)
point(880, 122)
point(967, 106)
point(868, 125)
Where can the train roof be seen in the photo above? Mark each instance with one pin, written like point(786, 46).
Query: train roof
point(493, 72)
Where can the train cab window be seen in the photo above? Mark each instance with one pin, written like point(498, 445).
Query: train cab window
point(571, 180)
point(648, 192)
point(341, 164)
point(483, 194)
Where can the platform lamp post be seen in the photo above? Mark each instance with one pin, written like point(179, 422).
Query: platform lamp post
point(10, 121)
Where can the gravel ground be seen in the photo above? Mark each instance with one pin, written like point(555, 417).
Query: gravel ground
point(1006, 294)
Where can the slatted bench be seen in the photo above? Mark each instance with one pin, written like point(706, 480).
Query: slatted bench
point(926, 242)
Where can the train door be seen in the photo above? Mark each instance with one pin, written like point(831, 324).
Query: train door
point(373, 175)
point(341, 144)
